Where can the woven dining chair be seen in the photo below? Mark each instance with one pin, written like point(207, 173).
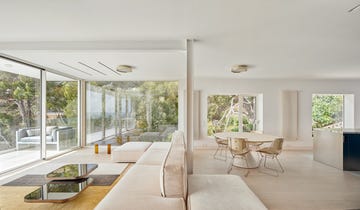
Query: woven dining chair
point(222, 148)
point(238, 148)
point(273, 151)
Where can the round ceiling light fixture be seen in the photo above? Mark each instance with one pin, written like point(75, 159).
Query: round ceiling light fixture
point(239, 68)
point(124, 68)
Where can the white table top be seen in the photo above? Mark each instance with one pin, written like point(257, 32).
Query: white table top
point(251, 137)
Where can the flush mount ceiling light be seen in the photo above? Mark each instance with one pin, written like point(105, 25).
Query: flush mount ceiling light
point(239, 68)
point(124, 68)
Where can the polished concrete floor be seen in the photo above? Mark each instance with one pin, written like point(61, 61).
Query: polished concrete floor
point(305, 184)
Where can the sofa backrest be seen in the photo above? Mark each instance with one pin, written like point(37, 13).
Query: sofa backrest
point(178, 139)
point(173, 172)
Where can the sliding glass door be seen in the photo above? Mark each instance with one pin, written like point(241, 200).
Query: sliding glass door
point(21, 103)
point(20, 141)
point(62, 114)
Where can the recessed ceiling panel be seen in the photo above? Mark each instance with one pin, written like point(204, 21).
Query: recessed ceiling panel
point(100, 65)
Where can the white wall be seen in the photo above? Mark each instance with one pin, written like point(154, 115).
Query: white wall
point(181, 105)
point(271, 90)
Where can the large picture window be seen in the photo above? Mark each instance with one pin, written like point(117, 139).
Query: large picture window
point(131, 110)
point(231, 113)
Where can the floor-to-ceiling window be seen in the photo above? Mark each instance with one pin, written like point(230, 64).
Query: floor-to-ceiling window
point(62, 113)
point(19, 114)
point(231, 113)
point(131, 111)
point(21, 103)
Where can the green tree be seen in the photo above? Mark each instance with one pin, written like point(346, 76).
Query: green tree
point(326, 110)
point(19, 104)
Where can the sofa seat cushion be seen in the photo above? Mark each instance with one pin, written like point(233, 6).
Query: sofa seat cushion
point(139, 189)
point(140, 179)
point(141, 202)
point(153, 157)
point(160, 146)
point(33, 132)
point(218, 192)
point(129, 152)
point(35, 139)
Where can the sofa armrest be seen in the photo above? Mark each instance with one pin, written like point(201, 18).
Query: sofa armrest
point(21, 133)
point(66, 138)
point(63, 133)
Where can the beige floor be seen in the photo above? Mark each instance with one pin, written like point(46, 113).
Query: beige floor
point(306, 184)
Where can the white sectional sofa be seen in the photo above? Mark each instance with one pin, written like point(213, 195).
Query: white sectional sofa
point(159, 181)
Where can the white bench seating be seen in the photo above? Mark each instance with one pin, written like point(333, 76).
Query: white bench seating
point(129, 152)
point(221, 192)
point(159, 181)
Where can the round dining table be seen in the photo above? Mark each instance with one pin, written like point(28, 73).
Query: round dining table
point(251, 138)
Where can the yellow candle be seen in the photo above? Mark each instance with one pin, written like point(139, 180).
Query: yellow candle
point(109, 148)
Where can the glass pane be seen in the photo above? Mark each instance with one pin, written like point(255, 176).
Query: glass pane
point(249, 113)
point(94, 116)
point(223, 113)
point(109, 113)
point(327, 110)
point(19, 114)
point(62, 113)
point(133, 110)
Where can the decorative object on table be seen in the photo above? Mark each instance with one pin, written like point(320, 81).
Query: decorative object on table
point(109, 148)
point(96, 149)
point(119, 140)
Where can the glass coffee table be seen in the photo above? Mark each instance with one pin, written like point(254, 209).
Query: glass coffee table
point(66, 183)
point(72, 171)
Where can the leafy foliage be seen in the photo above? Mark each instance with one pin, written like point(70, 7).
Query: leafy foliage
point(223, 113)
point(326, 110)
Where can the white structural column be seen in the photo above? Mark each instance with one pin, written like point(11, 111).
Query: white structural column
point(82, 114)
point(240, 111)
point(43, 114)
point(189, 104)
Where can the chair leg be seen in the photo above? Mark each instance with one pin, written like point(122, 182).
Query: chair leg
point(226, 150)
point(274, 169)
point(261, 159)
point(230, 165)
point(247, 165)
point(216, 151)
point(282, 169)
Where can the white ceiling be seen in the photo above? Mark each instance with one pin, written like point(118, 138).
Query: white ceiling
point(279, 39)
